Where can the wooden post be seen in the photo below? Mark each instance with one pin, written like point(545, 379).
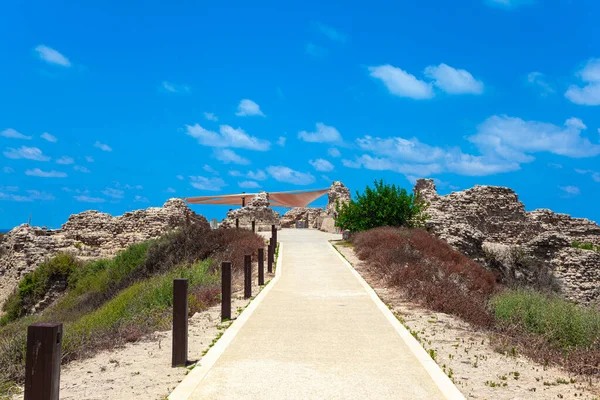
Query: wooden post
point(237, 223)
point(180, 322)
point(247, 276)
point(225, 291)
point(261, 267)
point(253, 226)
point(42, 362)
point(274, 237)
point(270, 257)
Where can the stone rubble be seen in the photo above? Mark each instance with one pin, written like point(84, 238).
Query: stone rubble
point(486, 221)
point(89, 235)
point(258, 209)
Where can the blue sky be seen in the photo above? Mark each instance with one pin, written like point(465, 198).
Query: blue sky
point(121, 105)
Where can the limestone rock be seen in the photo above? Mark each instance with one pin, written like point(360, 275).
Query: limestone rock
point(312, 216)
point(258, 210)
point(337, 192)
point(88, 235)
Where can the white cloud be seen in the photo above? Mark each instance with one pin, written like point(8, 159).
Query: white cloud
point(89, 159)
point(29, 153)
point(333, 152)
point(45, 174)
point(175, 88)
point(281, 141)
point(89, 199)
point(210, 169)
point(330, 32)
point(52, 56)
point(102, 146)
point(249, 184)
point(81, 169)
point(180, 177)
point(228, 156)
point(114, 193)
point(13, 134)
point(170, 190)
point(321, 165)
point(595, 175)
point(210, 116)
point(141, 199)
point(470, 165)
point(259, 175)
point(452, 80)
point(228, 137)
point(315, 50)
point(589, 94)
point(324, 134)
point(572, 190)
point(235, 173)
point(8, 170)
point(514, 139)
point(555, 165)
point(31, 195)
point(48, 137)
point(405, 149)
point(64, 160)
point(202, 183)
point(401, 83)
point(248, 108)
point(285, 174)
point(538, 79)
point(385, 164)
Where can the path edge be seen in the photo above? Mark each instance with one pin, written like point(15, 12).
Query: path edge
point(188, 385)
point(442, 381)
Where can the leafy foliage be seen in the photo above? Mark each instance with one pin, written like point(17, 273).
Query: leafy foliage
point(383, 205)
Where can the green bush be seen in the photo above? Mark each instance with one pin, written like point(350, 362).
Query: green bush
point(564, 324)
point(586, 246)
point(384, 205)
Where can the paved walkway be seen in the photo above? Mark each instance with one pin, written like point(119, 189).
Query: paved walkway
point(317, 334)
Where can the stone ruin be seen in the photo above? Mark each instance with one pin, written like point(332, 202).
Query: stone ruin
point(89, 235)
point(489, 223)
point(318, 218)
point(258, 209)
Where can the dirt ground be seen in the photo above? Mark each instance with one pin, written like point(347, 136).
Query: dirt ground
point(466, 355)
point(142, 370)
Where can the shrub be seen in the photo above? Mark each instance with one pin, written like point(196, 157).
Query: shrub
point(586, 246)
point(384, 205)
point(560, 322)
point(429, 271)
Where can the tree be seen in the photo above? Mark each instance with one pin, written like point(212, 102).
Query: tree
point(384, 205)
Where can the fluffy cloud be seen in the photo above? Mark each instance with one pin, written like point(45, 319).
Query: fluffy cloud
point(203, 183)
point(249, 184)
point(52, 56)
point(570, 190)
point(589, 94)
point(405, 149)
point(385, 164)
point(45, 174)
point(210, 116)
point(228, 137)
point(13, 134)
point(401, 83)
point(29, 153)
point(514, 139)
point(175, 88)
point(595, 175)
point(89, 159)
point(248, 108)
point(64, 160)
point(453, 81)
point(333, 152)
point(539, 80)
point(102, 146)
point(170, 190)
point(288, 175)
point(228, 156)
point(321, 165)
point(114, 193)
point(141, 199)
point(81, 169)
point(281, 141)
point(89, 199)
point(48, 137)
point(324, 134)
point(466, 164)
point(210, 169)
point(259, 175)
point(31, 195)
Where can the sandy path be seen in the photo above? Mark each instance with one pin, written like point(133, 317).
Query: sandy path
point(465, 354)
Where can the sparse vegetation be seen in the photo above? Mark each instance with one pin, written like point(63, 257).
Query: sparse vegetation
point(586, 246)
point(383, 205)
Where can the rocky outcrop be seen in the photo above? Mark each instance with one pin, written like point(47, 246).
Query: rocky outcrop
point(337, 193)
point(89, 235)
point(257, 210)
point(312, 217)
point(484, 221)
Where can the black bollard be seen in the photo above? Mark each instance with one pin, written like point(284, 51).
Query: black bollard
point(180, 322)
point(261, 267)
point(225, 290)
point(247, 276)
point(42, 362)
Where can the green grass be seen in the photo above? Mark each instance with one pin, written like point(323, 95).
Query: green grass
point(586, 246)
point(561, 322)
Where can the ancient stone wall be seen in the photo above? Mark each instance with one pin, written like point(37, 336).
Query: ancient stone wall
point(337, 192)
point(88, 235)
point(312, 216)
point(475, 220)
point(258, 210)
